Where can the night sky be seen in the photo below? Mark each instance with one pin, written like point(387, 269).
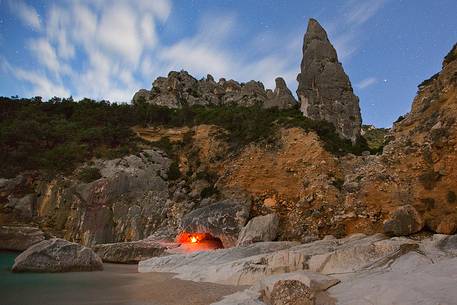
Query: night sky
point(109, 49)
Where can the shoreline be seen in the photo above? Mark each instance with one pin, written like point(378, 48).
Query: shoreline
point(117, 284)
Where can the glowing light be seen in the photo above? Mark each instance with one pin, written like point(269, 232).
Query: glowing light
point(193, 239)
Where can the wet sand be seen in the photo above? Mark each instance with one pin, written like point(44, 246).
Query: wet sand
point(117, 285)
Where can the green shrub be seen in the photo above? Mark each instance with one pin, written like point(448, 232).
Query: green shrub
point(165, 145)
point(208, 192)
point(451, 197)
point(429, 203)
point(429, 179)
point(173, 171)
point(89, 174)
point(338, 183)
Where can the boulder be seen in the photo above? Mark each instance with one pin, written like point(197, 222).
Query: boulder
point(260, 228)
point(129, 252)
point(291, 292)
point(223, 220)
point(324, 89)
point(448, 225)
point(405, 220)
point(19, 238)
point(57, 255)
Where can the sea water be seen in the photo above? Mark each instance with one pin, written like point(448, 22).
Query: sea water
point(74, 288)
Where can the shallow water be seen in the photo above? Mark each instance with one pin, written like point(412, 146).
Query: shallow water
point(116, 284)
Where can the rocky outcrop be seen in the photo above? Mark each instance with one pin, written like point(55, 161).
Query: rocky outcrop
point(19, 238)
point(131, 252)
point(57, 255)
point(223, 220)
point(324, 89)
point(404, 221)
point(281, 97)
point(180, 89)
point(260, 228)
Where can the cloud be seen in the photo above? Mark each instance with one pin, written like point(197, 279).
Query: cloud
point(27, 14)
point(209, 51)
point(42, 85)
point(367, 82)
point(118, 33)
point(360, 12)
point(108, 50)
point(46, 55)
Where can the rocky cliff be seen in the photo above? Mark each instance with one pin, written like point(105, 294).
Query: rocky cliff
point(314, 191)
point(324, 89)
point(180, 89)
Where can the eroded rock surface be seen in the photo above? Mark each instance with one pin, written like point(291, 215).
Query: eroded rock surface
point(57, 255)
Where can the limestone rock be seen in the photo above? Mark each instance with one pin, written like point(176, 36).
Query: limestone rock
point(405, 220)
point(291, 292)
point(129, 201)
point(324, 89)
point(57, 255)
point(223, 220)
point(281, 97)
point(180, 88)
point(260, 228)
point(129, 252)
point(224, 266)
point(19, 238)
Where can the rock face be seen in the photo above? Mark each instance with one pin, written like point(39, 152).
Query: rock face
point(324, 89)
point(223, 220)
point(180, 89)
point(405, 221)
point(57, 255)
point(127, 203)
point(291, 292)
point(19, 238)
point(260, 228)
point(129, 252)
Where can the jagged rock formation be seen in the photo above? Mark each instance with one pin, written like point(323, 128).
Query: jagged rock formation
point(324, 89)
point(180, 88)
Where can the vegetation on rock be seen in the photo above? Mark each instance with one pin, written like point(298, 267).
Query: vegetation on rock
point(57, 135)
